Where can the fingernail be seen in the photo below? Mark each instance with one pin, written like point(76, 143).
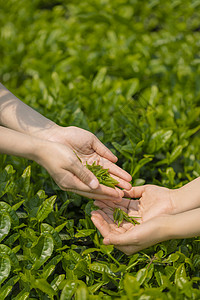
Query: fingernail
point(93, 184)
point(93, 213)
point(106, 241)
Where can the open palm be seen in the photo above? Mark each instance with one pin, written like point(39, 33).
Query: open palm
point(127, 237)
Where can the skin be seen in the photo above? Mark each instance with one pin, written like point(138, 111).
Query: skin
point(26, 133)
point(164, 214)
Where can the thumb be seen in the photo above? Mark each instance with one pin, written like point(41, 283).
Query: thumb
point(122, 239)
point(85, 175)
point(135, 192)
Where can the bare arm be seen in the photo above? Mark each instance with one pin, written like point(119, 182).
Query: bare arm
point(16, 115)
point(18, 144)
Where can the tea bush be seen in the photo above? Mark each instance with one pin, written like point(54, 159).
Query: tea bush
point(128, 71)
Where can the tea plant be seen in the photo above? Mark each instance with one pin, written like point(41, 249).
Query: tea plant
point(129, 72)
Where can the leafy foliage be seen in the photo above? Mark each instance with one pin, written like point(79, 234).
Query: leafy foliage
point(102, 175)
point(129, 72)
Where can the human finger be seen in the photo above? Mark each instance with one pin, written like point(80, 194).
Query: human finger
point(105, 204)
point(101, 224)
point(100, 193)
point(83, 173)
point(121, 182)
point(120, 239)
point(135, 192)
point(93, 195)
point(69, 182)
point(115, 170)
point(105, 218)
point(103, 151)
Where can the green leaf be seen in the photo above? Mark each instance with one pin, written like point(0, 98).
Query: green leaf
point(60, 227)
point(158, 140)
point(93, 288)
point(90, 250)
point(57, 281)
point(7, 251)
point(82, 292)
point(44, 286)
point(5, 267)
point(106, 249)
point(17, 205)
point(131, 286)
point(100, 268)
point(141, 275)
point(23, 295)
point(140, 164)
point(84, 232)
point(175, 153)
point(8, 286)
point(180, 276)
point(57, 240)
point(7, 208)
point(68, 290)
point(45, 208)
point(50, 266)
point(26, 179)
point(5, 225)
point(42, 250)
point(98, 80)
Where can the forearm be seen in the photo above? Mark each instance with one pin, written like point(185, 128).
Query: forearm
point(16, 115)
point(184, 225)
point(18, 144)
point(186, 197)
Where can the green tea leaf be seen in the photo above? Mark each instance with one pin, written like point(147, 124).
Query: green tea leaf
point(5, 225)
point(5, 267)
point(68, 290)
point(45, 208)
point(44, 286)
point(84, 232)
point(41, 251)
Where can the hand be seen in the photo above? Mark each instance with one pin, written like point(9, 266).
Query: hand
point(89, 149)
point(20, 117)
point(69, 173)
point(130, 239)
point(127, 237)
point(155, 200)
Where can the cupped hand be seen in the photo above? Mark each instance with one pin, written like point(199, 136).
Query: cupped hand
point(70, 174)
point(150, 201)
point(153, 200)
point(89, 149)
point(127, 237)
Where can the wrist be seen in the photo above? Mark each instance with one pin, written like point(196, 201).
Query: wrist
point(53, 134)
point(175, 201)
point(166, 228)
point(40, 151)
point(187, 197)
point(49, 133)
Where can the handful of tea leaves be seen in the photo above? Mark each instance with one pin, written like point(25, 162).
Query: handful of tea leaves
point(119, 216)
point(102, 175)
